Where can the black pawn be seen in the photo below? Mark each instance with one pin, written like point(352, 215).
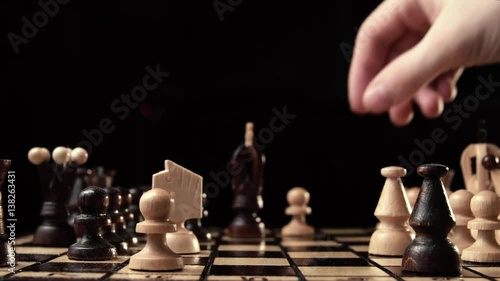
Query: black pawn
point(109, 231)
point(93, 203)
point(134, 212)
point(121, 224)
point(431, 252)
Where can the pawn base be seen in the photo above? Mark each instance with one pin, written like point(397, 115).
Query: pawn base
point(156, 256)
point(482, 251)
point(183, 242)
point(92, 251)
point(295, 228)
point(389, 242)
point(432, 257)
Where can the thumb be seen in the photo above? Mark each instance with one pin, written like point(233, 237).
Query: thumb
point(400, 80)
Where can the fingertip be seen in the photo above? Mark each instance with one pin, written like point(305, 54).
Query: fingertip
point(431, 104)
point(444, 88)
point(358, 110)
point(447, 89)
point(356, 104)
point(453, 95)
point(402, 114)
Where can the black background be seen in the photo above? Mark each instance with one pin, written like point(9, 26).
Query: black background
point(258, 58)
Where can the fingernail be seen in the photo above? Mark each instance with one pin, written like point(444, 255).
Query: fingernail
point(377, 99)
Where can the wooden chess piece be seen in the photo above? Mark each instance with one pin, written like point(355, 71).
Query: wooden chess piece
point(134, 212)
point(460, 204)
point(187, 187)
point(485, 206)
point(412, 194)
point(431, 252)
point(93, 203)
point(196, 225)
point(7, 253)
point(491, 163)
point(393, 211)
point(74, 210)
point(247, 169)
point(40, 157)
point(109, 232)
point(298, 200)
point(55, 231)
point(476, 175)
point(156, 205)
point(95, 176)
point(121, 227)
point(447, 180)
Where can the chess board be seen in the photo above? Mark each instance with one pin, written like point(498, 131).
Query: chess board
point(333, 254)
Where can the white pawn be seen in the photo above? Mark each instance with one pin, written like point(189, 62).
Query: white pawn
point(393, 211)
point(485, 206)
point(460, 204)
point(79, 156)
point(156, 205)
point(61, 155)
point(298, 199)
point(38, 155)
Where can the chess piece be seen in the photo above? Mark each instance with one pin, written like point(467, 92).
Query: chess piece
point(491, 163)
point(7, 253)
point(431, 252)
point(93, 203)
point(485, 206)
point(55, 231)
point(393, 211)
point(247, 168)
point(196, 225)
point(298, 200)
point(447, 180)
point(476, 175)
point(187, 187)
point(109, 231)
point(74, 211)
point(412, 195)
point(40, 157)
point(85, 177)
point(460, 204)
point(135, 214)
point(121, 227)
point(156, 205)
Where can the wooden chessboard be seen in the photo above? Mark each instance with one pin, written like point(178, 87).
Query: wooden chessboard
point(334, 254)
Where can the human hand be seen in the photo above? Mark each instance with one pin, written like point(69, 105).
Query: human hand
point(414, 51)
